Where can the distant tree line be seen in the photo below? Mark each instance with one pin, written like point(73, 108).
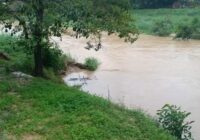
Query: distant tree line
point(151, 4)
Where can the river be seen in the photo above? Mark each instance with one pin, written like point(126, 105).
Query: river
point(148, 74)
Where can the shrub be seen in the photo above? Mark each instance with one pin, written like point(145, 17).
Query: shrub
point(55, 59)
point(195, 25)
point(172, 119)
point(91, 63)
point(162, 27)
point(184, 32)
point(189, 31)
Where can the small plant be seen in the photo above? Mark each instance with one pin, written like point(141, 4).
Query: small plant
point(91, 63)
point(172, 119)
point(162, 28)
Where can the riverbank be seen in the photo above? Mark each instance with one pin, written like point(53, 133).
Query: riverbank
point(43, 109)
point(147, 19)
point(147, 74)
point(38, 109)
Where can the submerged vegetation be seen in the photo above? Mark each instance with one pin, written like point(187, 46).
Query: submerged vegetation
point(91, 63)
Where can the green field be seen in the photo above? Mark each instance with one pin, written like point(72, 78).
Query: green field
point(145, 19)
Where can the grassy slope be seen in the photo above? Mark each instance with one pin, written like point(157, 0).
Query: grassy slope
point(41, 109)
point(46, 110)
point(146, 18)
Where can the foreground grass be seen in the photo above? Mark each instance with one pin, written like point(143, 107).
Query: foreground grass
point(45, 110)
point(145, 19)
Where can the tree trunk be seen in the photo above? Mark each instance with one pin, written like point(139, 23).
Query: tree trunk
point(38, 60)
point(38, 35)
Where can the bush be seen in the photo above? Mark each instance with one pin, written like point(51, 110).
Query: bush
point(162, 28)
point(91, 63)
point(184, 32)
point(55, 59)
point(172, 119)
point(190, 31)
point(195, 25)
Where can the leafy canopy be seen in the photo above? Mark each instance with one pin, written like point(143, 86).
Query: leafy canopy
point(84, 16)
point(39, 19)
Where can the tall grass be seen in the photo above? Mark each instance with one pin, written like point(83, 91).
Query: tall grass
point(145, 19)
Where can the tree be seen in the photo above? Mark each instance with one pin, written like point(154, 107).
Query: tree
point(39, 19)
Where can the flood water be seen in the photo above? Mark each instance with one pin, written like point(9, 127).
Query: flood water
point(148, 74)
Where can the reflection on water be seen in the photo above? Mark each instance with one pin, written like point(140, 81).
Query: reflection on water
point(147, 74)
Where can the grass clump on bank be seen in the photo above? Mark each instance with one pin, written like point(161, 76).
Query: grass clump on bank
point(45, 110)
point(91, 63)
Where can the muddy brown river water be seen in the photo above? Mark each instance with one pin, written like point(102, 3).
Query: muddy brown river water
point(148, 74)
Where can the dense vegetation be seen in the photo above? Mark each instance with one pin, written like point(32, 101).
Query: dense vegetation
point(168, 21)
point(152, 4)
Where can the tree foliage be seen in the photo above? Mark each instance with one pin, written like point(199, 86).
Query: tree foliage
point(174, 120)
point(39, 19)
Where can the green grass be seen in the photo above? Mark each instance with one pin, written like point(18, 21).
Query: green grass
point(45, 110)
point(91, 63)
point(19, 60)
point(146, 18)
